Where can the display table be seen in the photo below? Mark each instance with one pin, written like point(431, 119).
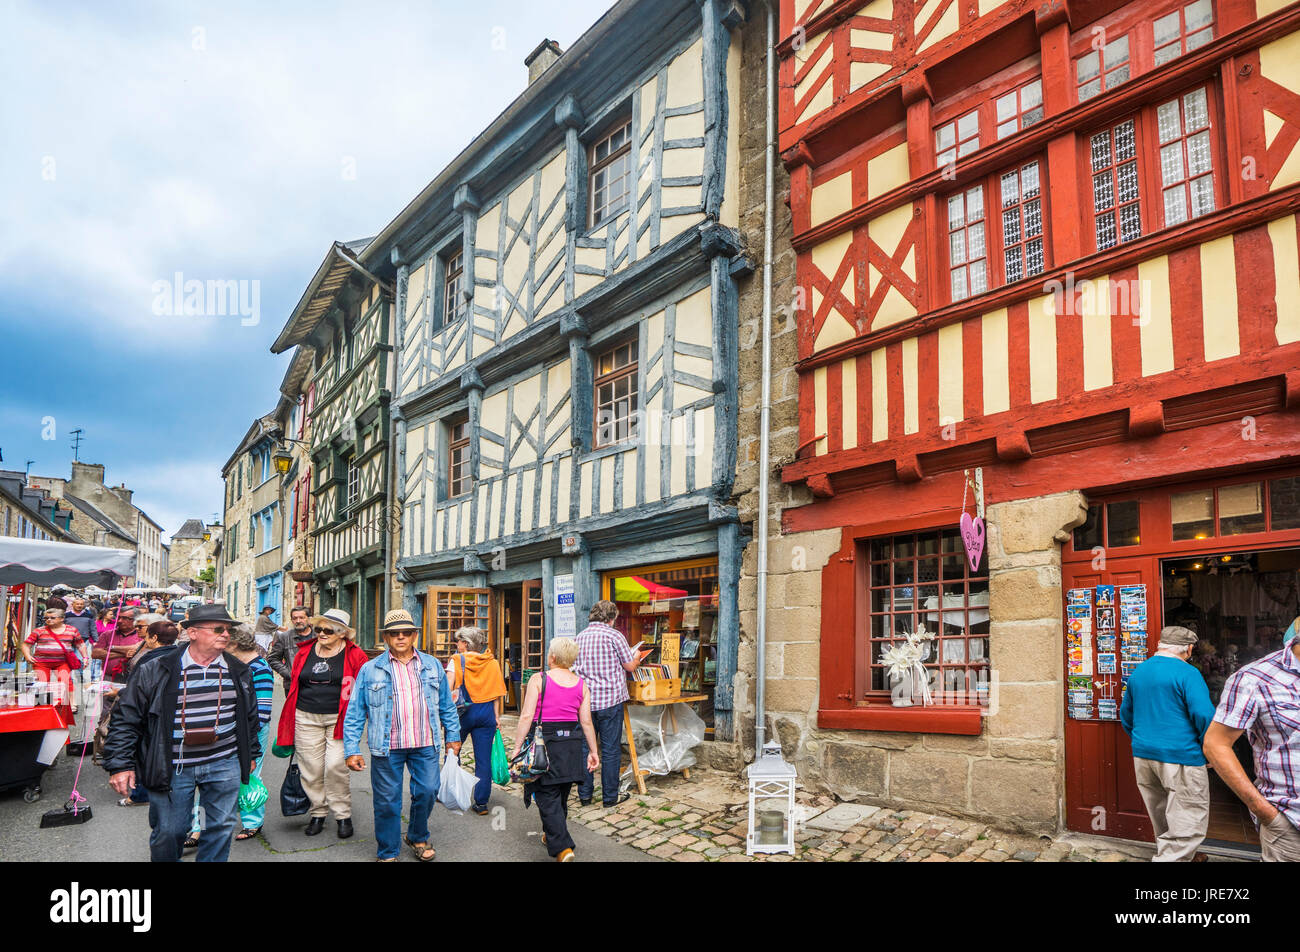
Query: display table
point(30, 739)
point(665, 706)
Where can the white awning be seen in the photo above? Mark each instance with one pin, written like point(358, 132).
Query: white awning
point(38, 562)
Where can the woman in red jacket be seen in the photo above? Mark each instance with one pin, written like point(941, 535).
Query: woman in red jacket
point(311, 722)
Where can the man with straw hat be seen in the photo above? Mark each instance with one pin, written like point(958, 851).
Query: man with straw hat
point(1165, 712)
point(403, 702)
point(1263, 700)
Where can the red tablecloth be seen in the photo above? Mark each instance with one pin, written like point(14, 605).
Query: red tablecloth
point(45, 717)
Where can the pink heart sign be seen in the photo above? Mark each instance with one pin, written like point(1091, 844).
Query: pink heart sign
point(972, 536)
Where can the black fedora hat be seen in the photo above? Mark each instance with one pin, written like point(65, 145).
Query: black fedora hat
point(205, 613)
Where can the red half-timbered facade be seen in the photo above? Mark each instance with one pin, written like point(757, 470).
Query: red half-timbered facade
point(1055, 242)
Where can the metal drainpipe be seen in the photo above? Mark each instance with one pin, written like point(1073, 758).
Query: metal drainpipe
point(764, 462)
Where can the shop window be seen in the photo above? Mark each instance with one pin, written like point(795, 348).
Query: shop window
point(1022, 223)
point(1284, 502)
point(954, 139)
point(1241, 509)
point(1192, 515)
point(1116, 202)
point(678, 604)
point(617, 398)
point(1122, 524)
point(1182, 31)
point(1019, 109)
point(449, 609)
point(1102, 69)
point(924, 581)
point(611, 175)
point(1089, 535)
point(1186, 159)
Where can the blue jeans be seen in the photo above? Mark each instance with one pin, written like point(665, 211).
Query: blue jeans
point(386, 782)
point(608, 722)
point(217, 785)
point(479, 721)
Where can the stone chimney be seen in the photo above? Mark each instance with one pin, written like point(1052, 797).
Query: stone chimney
point(85, 475)
point(123, 493)
point(540, 59)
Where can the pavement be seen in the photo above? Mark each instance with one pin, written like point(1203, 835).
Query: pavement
point(509, 833)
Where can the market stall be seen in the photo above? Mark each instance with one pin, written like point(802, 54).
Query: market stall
point(31, 730)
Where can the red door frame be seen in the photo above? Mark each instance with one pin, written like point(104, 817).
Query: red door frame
point(1100, 790)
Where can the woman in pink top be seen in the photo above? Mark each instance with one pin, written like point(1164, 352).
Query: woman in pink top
point(561, 706)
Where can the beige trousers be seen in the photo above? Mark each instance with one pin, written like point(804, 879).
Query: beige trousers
point(1279, 841)
point(323, 766)
point(1177, 798)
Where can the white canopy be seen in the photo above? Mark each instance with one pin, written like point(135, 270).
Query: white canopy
point(39, 562)
point(177, 590)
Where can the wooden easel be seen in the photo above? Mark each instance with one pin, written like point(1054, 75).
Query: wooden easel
point(666, 707)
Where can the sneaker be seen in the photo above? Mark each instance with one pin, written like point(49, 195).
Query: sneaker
point(566, 856)
point(481, 809)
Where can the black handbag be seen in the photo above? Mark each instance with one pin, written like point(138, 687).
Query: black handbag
point(532, 761)
point(293, 798)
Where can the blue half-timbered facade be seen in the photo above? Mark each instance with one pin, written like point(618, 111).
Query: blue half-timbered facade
point(565, 402)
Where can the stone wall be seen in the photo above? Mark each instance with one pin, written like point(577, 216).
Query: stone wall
point(1012, 774)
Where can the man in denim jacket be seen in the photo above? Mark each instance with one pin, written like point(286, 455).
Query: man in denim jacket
point(404, 696)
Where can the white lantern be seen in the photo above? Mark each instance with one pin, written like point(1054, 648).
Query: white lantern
point(771, 802)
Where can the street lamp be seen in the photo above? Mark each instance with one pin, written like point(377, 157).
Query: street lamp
point(282, 461)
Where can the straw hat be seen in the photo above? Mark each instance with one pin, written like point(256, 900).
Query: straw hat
point(398, 620)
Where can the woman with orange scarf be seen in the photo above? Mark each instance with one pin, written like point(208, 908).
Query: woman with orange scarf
point(477, 687)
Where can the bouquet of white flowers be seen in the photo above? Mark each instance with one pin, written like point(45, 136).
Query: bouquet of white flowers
point(904, 658)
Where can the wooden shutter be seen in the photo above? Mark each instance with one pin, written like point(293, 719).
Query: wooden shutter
point(448, 609)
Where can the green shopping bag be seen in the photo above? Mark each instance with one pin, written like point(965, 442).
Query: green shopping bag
point(500, 763)
point(252, 794)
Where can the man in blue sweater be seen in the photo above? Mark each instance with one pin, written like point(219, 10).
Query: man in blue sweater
point(1165, 712)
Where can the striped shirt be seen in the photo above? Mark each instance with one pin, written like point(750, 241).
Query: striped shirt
point(197, 709)
point(602, 652)
point(46, 648)
point(1263, 699)
point(410, 713)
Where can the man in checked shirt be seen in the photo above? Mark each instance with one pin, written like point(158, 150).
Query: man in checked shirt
point(1264, 699)
point(604, 661)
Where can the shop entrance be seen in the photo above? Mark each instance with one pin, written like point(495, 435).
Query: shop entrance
point(1240, 604)
point(1221, 558)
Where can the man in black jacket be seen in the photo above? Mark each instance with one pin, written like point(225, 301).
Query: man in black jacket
point(187, 720)
point(284, 644)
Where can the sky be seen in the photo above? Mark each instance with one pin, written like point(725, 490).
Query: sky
point(217, 142)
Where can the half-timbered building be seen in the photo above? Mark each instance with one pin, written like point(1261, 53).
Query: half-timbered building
point(565, 397)
point(1047, 271)
point(344, 319)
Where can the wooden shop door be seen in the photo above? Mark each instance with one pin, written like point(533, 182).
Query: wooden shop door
point(1101, 794)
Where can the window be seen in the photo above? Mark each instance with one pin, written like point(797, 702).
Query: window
point(1019, 109)
point(954, 139)
point(239, 476)
point(354, 484)
point(459, 476)
point(611, 174)
point(267, 535)
point(1022, 223)
point(265, 457)
point(967, 251)
point(252, 531)
point(924, 581)
point(1182, 31)
point(1186, 161)
point(453, 283)
point(1116, 205)
point(616, 395)
point(1123, 524)
point(1103, 68)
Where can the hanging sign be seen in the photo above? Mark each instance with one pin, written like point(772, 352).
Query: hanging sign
point(565, 618)
point(972, 527)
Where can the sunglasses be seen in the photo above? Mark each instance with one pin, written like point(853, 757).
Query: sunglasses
point(140, 627)
point(216, 630)
point(326, 631)
point(400, 634)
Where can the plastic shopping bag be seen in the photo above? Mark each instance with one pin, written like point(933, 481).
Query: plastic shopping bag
point(456, 786)
point(500, 762)
point(253, 794)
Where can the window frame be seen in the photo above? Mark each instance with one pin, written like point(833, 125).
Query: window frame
point(1182, 37)
point(594, 167)
point(351, 485)
point(1104, 71)
point(982, 100)
point(453, 253)
point(994, 243)
point(1151, 188)
point(1018, 116)
point(619, 372)
point(454, 444)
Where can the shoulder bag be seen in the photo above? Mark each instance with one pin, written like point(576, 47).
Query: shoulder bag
point(532, 762)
